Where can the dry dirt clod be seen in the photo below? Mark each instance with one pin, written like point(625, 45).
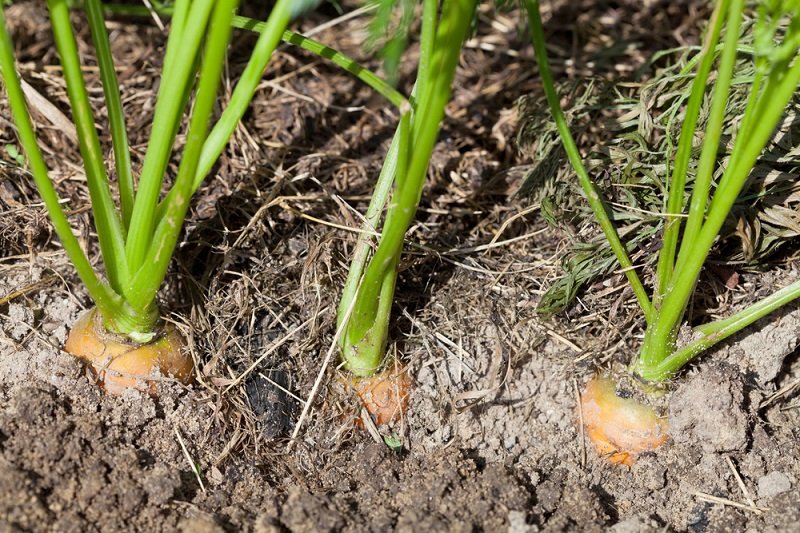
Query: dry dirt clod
point(773, 484)
point(708, 410)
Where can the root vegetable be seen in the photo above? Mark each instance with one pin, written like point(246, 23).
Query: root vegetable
point(119, 364)
point(620, 428)
point(385, 394)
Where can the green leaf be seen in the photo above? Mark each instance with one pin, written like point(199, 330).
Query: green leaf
point(393, 442)
point(14, 153)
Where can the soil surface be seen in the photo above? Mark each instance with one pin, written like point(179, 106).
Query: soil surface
point(490, 440)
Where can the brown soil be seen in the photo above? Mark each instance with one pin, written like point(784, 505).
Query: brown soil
point(489, 440)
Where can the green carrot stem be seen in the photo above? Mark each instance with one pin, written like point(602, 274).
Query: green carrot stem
point(265, 46)
point(245, 88)
point(364, 338)
point(427, 42)
point(715, 332)
point(372, 352)
point(761, 120)
point(107, 301)
point(714, 126)
point(380, 195)
point(306, 43)
point(345, 62)
point(144, 286)
point(116, 115)
point(589, 188)
point(180, 15)
point(675, 202)
point(107, 223)
point(177, 74)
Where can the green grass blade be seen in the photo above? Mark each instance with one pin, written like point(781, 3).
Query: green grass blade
point(116, 115)
point(107, 223)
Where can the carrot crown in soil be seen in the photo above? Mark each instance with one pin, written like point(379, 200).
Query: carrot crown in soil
point(691, 230)
point(138, 234)
point(365, 307)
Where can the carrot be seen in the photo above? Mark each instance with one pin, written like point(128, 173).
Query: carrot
point(122, 339)
point(620, 428)
point(384, 394)
point(119, 364)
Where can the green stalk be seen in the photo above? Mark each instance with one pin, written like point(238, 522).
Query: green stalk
point(659, 359)
point(655, 350)
point(145, 284)
point(380, 195)
point(118, 316)
point(365, 335)
point(270, 35)
point(268, 40)
point(717, 331)
point(306, 43)
point(757, 128)
point(176, 76)
point(714, 126)
point(427, 41)
point(389, 171)
point(116, 116)
point(749, 146)
point(364, 340)
point(344, 62)
point(674, 208)
point(589, 188)
point(264, 48)
point(173, 49)
point(107, 301)
point(107, 223)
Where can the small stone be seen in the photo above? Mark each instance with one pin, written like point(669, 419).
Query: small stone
point(636, 524)
point(509, 442)
point(773, 484)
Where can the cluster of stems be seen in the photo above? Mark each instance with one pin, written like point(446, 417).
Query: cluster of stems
point(365, 307)
point(691, 231)
point(138, 235)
